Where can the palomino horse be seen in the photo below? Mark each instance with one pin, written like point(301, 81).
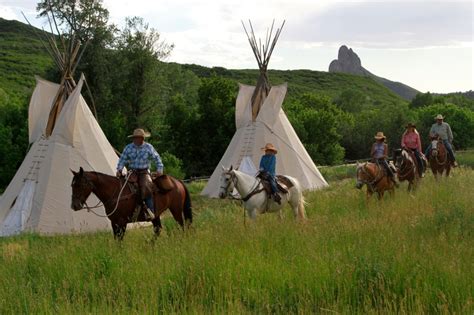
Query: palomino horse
point(438, 158)
point(120, 201)
point(373, 175)
point(255, 197)
point(407, 168)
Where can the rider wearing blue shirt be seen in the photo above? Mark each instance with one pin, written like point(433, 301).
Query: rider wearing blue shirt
point(267, 169)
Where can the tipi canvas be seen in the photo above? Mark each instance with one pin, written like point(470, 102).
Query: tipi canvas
point(38, 199)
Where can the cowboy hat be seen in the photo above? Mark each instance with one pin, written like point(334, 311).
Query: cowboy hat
point(410, 125)
point(439, 116)
point(139, 133)
point(379, 135)
point(269, 147)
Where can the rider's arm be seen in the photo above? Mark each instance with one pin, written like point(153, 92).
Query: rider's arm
point(372, 151)
point(432, 131)
point(156, 157)
point(123, 159)
point(418, 142)
point(385, 151)
point(450, 133)
point(403, 141)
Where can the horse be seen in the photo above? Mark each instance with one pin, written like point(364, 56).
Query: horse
point(120, 200)
point(255, 198)
point(373, 176)
point(407, 168)
point(438, 158)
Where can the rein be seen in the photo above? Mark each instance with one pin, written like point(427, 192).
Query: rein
point(89, 209)
point(252, 192)
point(375, 181)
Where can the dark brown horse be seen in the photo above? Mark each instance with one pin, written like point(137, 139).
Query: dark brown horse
point(120, 200)
point(407, 168)
point(377, 181)
point(438, 158)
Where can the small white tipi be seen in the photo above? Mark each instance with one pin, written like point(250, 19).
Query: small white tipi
point(259, 119)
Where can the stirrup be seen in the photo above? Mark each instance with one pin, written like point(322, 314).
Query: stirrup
point(149, 215)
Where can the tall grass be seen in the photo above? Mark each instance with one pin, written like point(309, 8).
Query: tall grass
point(409, 254)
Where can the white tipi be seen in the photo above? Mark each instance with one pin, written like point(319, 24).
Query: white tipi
point(64, 135)
point(38, 199)
point(259, 119)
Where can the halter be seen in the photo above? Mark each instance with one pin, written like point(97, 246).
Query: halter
point(437, 151)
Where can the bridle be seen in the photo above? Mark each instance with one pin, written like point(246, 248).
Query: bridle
point(234, 180)
point(91, 185)
point(435, 153)
point(370, 183)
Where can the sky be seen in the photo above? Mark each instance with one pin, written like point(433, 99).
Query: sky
point(426, 44)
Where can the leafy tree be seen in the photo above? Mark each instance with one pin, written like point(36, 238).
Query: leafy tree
point(320, 124)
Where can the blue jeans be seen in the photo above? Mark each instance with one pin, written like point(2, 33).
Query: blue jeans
point(149, 203)
point(448, 147)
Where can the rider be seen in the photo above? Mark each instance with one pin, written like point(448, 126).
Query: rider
point(411, 140)
point(137, 156)
point(267, 169)
point(443, 130)
point(379, 154)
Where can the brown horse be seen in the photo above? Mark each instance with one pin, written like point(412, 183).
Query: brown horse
point(438, 158)
point(373, 175)
point(120, 201)
point(407, 168)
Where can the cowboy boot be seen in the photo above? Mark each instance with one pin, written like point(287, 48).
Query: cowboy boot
point(149, 215)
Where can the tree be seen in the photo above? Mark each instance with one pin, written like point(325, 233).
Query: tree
point(320, 125)
point(137, 88)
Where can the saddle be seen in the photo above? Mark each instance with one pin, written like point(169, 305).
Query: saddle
point(283, 184)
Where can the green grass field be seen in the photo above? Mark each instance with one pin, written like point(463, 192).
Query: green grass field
point(409, 254)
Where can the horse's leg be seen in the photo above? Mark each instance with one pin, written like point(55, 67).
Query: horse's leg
point(157, 225)
point(119, 230)
point(178, 215)
point(252, 213)
point(448, 170)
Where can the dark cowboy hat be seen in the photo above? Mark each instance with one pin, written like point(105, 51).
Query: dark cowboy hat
point(410, 125)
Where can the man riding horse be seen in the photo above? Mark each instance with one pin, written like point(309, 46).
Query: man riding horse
point(137, 156)
point(411, 140)
point(442, 130)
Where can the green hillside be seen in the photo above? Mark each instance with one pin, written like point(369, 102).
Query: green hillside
point(22, 56)
point(304, 81)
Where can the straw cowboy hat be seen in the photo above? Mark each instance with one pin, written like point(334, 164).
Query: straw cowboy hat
point(269, 147)
point(379, 135)
point(439, 116)
point(139, 133)
point(410, 125)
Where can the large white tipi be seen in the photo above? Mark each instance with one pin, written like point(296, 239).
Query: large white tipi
point(259, 119)
point(63, 135)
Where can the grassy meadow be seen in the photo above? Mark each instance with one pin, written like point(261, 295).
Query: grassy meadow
point(409, 254)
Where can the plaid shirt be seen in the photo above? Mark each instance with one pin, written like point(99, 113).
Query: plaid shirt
point(138, 157)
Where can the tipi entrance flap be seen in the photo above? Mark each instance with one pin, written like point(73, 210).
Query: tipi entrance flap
point(16, 220)
point(41, 102)
point(272, 105)
point(243, 106)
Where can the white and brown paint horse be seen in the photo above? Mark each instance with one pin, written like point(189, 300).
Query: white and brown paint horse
point(256, 199)
point(407, 168)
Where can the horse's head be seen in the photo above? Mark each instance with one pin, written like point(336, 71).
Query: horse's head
point(434, 146)
point(81, 189)
point(398, 155)
point(226, 182)
point(361, 175)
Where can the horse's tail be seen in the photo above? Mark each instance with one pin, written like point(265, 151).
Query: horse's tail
point(188, 210)
point(299, 194)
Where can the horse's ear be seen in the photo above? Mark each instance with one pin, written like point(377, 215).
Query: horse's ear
point(231, 168)
point(81, 170)
point(73, 173)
